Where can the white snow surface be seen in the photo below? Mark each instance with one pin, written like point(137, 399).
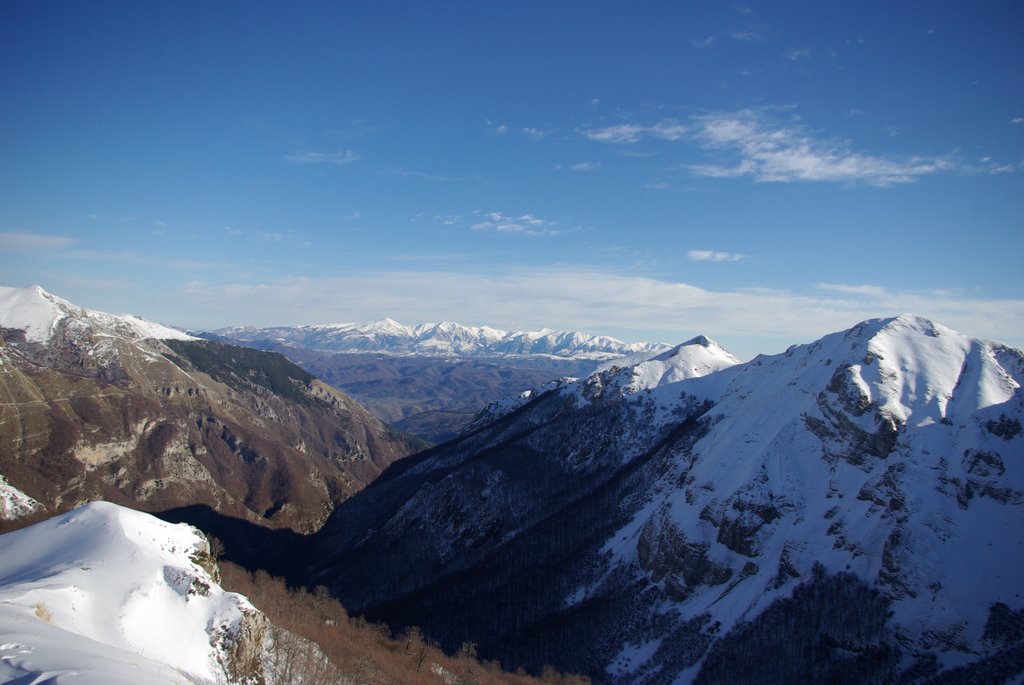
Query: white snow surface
point(105, 594)
point(14, 503)
point(693, 359)
point(447, 338)
point(944, 507)
point(39, 313)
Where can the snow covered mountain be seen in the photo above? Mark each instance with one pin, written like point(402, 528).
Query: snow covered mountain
point(96, 406)
point(104, 595)
point(39, 314)
point(445, 339)
point(849, 511)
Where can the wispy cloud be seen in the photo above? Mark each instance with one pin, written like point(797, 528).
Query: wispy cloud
point(758, 145)
point(24, 241)
point(440, 178)
point(127, 257)
point(1016, 121)
point(782, 153)
point(447, 219)
point(524, 224)
point(869, 290)
point(533, 133)
point(798, 54)
point(338, 158)
point(586, 166)
point(746, 36)
point(712, 256)
point(633, 133)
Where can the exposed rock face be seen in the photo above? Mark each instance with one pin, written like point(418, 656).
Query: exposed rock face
point(861, 494)
point(242, 647)
point(96, 412)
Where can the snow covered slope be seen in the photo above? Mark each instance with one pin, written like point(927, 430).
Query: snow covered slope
point(849, 511)
point(891, 452)
point(441, 339)
point(692, 359)
point(104, 594)
point(39, 314)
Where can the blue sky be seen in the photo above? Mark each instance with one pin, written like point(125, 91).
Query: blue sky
point(762, 173)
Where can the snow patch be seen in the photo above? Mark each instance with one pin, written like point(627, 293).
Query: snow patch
point(14, 504)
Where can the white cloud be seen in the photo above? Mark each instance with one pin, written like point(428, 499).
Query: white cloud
point(594, 300)
point(868, 290)
point(1017, 120)
point(502, 128)
point(524, 224)
point(337, 158)
point(447, 219)
point(746, 36)
point(757, 144)
point(712, 256)
point(770, 152)
point(440, 178)
point(706, 43)
point(27, 241)
point(633, 133)
point(533, 133)
point(586, 166)
point(798, 54)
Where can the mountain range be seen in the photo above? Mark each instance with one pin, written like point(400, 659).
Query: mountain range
point(445, 339)
point(849, 511)
point(432, 379)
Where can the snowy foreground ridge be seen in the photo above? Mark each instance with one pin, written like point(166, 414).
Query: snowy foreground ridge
point(106, 595)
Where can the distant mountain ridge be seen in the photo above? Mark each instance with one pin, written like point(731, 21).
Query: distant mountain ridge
point(447, 338)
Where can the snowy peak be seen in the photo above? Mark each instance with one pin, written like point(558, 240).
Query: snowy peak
point(99, 591)
point(694, 358)
point(907, 368)
point(41, 315)
point(446, 338)
point(887, 451)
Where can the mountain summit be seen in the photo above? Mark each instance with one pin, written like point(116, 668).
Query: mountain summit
point(847, 511)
